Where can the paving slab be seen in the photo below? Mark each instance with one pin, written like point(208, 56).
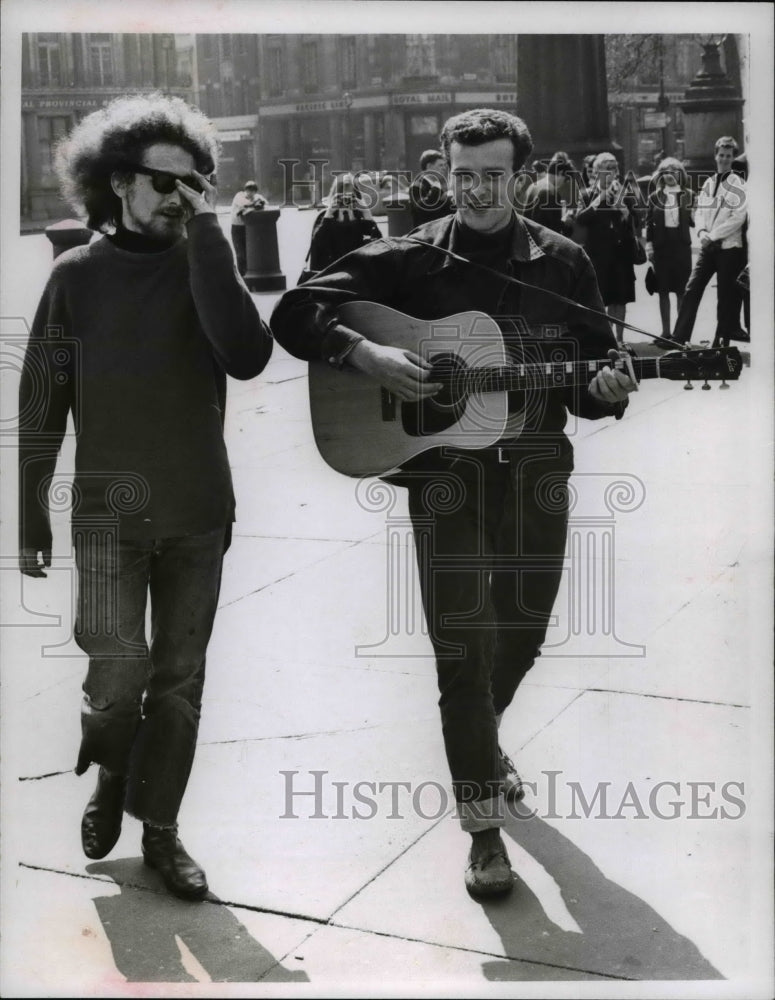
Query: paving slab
point(592, 889)
point(357, 961)
point(111, 931)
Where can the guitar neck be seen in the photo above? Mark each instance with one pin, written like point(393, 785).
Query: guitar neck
point(554, 374)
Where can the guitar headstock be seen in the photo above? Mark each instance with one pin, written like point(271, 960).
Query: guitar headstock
point(712, 364)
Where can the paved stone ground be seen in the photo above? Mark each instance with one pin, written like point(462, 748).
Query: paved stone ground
point(313, 688)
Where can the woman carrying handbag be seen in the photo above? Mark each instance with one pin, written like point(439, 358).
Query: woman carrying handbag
point(345, 225)
point(612, 244)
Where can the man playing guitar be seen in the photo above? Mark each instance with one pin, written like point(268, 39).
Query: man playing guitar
point(492, 570)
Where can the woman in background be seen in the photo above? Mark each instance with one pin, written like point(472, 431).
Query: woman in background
point(668, 238)
point(345, 225)
point(611, 230)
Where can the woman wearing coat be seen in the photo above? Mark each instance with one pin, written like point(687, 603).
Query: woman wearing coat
point(611, 230)
point(345, 225)
point(668, 238)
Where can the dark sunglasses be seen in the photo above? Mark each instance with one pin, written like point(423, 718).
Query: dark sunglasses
point(163, 182)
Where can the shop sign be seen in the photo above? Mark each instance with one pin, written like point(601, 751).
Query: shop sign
point(61, 104)
point(487, 99)
point(440, 97)
point(655, 119)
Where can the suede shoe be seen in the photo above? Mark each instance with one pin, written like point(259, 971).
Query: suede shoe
point(101, 823)
point(490, 875)
point(513, 789)
point(163, 851)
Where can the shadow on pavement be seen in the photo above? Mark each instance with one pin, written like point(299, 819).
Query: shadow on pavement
point(144, 929)
point(621, 935)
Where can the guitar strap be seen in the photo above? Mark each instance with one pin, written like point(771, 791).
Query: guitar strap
point(546, 291)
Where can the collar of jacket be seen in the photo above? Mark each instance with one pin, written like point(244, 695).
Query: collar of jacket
point(525, 245)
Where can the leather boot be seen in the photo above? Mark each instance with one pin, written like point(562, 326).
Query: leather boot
point(101, 823)
point(163, 851)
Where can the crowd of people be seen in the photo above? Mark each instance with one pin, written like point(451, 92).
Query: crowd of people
point(619, 225)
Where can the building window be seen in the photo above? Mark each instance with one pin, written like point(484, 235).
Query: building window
point(276, 82)
point(228, 97)
point(50, 131)
point(420, 55)
point(207, 47)
point(347, 60)
point(503, 58)
point(49, 64)
point(226, 46)
point(310, 67)
point(101, 55)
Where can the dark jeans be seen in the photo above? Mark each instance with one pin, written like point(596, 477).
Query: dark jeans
point(726, 265)
point(490, 542)
point(239, 241)
point(141, 705)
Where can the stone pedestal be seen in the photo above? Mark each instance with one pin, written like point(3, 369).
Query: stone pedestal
point(562, 94)
point(263, 273)
point(712, 107)
point(399, 215)
point(66, 234)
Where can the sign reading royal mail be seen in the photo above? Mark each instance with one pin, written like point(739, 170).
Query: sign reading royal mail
point(438, 97)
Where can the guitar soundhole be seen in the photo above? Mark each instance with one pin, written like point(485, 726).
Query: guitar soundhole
point(446, 408)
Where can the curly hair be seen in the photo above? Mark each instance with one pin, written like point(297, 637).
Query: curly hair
point(480, 125)
point(107, 140)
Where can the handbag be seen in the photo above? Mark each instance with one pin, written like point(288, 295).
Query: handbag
point(638, 250)
point(306, 272)
point(651, 281)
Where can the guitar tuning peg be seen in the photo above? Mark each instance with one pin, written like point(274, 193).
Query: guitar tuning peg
point(706, 386)
point(688, 384)
point(723, 385)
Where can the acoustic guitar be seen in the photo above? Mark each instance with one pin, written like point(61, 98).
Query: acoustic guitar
point(361, 429)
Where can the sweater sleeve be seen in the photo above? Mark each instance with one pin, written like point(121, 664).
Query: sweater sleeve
point(240, 340)
point(304, 320)
point(46, 395)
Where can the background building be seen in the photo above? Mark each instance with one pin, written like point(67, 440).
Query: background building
point(67, 76)
point(290, 108)
point(371, 102)
point(648, 77)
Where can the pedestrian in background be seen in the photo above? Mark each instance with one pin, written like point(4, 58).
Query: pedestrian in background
point(429, 197)
point(245, 201)
point(668, 234)
point(586, 169)
point(551, 198)
point(134, 337)
point(740, 167)
point(345, 225)
point(609, 215)
point(720, 218)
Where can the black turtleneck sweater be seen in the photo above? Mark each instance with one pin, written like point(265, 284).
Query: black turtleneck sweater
point(136, 341)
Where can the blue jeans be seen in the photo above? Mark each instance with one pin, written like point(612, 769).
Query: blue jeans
point(490, 540)
point(141, 705)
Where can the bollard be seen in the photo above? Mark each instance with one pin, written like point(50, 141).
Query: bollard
point(66, 234)
point(263, 273)
point(399, 215)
